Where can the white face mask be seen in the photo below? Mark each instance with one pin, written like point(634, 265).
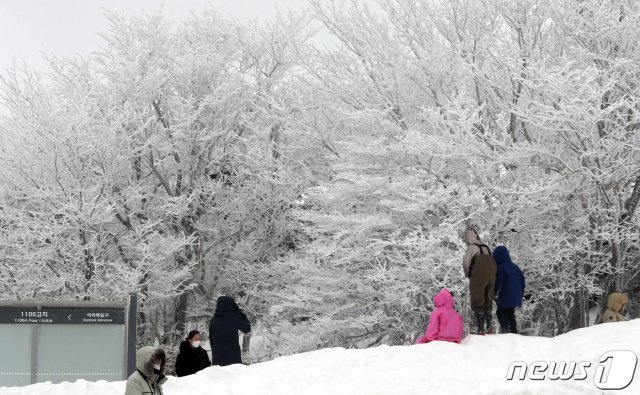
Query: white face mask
point(157, 366)
point(196, 344)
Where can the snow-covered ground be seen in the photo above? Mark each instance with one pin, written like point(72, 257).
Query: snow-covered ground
point(477, 366)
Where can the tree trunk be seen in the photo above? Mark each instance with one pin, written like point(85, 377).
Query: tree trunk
point(88, 268)
point(246, 343)
point(578, 312)
point(180, 313)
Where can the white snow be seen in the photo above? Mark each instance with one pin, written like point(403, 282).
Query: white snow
point(477, 366)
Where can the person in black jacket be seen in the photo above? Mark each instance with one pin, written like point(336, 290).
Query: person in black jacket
point(192, 358)
point(223, 332)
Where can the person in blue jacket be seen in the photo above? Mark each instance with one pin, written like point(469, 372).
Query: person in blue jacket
point(509, 289)
point(223, 332)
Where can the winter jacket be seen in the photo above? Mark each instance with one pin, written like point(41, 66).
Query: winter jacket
point(223, 332)
point(445, 323)
point(616, 307)
point(145, 381)
point(510, 283)
point(191, 360)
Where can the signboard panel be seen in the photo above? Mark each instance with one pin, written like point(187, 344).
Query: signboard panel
point(61, 315)
point(15, 355)
point(72, 352)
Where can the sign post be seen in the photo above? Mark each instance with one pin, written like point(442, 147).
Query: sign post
point(64, 341)
point(132, 314)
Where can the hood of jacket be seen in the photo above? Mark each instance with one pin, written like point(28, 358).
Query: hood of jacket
point(501, 255)
point(471, 237)
point(145, 357)
point(443, 299)
point(617, 302)
point(226, 306)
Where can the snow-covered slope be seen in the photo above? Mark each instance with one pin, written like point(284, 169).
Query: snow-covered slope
point(477, 366)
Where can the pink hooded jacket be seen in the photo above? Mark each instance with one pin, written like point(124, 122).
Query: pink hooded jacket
point(445, 323)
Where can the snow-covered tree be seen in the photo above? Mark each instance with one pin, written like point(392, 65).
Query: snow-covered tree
point(157, 164)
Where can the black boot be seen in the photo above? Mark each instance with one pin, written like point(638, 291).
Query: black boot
point(480, 319)
point(489, 321)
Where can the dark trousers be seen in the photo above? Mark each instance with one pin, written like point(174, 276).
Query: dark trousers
point(481, 286)
point(507, 319)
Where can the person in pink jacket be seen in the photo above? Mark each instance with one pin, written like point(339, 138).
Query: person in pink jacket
point(445, 323)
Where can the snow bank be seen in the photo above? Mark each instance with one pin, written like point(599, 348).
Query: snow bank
point(477, 366)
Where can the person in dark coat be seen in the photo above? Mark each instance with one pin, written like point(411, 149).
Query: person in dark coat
point(509, 290)
point(223, 332)
point(192, 358)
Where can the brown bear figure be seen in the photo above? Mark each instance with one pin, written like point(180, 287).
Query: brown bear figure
point(616, 307)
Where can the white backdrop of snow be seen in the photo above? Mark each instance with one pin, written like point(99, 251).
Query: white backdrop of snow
point(477, 366)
